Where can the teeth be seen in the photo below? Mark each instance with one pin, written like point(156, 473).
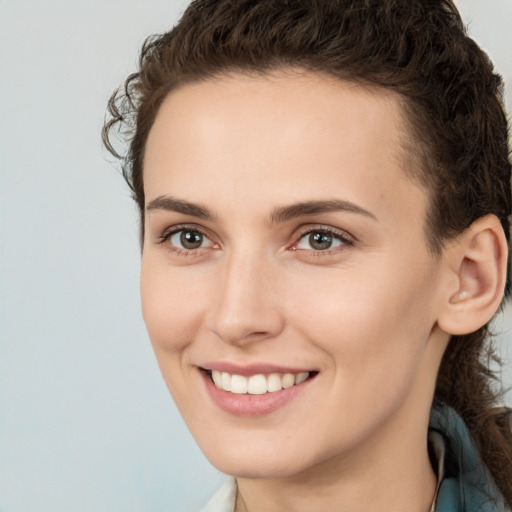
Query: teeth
point(301, 377)
point(239, 384)
point(217, 378)
point(226, 381)
point(274, 383)
point(256, 384)
point(288, 380)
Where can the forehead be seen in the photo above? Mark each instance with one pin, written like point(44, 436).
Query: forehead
point(283, 137)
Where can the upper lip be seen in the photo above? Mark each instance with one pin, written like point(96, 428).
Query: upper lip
point(251, 369)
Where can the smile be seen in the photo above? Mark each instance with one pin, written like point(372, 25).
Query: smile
point(254, 390)
point(258, 384)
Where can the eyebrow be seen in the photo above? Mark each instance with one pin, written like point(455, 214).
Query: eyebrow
point(279, 214)
point(172, 204)
point(284, 213)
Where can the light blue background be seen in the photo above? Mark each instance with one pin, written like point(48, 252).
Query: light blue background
point(86, 423)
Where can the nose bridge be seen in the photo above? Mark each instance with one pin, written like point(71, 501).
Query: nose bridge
point(247, 307)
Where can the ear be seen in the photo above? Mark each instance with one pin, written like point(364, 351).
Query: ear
point(477, 268)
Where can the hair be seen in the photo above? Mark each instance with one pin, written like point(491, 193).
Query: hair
point(458, 144)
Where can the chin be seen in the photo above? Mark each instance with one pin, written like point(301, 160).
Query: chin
point(261, 460)
point(256, 469)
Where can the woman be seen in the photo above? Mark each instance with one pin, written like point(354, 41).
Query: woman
point(324, 190)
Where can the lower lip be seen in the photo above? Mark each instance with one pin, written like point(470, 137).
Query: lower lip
point(251, 405)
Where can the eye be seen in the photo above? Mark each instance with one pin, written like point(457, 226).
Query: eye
point(185, 241)
point(189, 239)
point(321, 240)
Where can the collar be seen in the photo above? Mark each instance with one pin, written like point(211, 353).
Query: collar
point(438, 447)
point(467, 485)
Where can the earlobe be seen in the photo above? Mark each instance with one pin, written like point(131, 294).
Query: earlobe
point(478, 261)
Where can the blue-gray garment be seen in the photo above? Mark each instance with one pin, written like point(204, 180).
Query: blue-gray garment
point(470, 488)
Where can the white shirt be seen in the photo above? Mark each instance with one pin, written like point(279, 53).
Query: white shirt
point(224, 499)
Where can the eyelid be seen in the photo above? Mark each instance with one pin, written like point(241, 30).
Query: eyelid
point(175, 228)
point(340, 234)
point(166, 235)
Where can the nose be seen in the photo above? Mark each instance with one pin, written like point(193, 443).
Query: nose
point(246, 308)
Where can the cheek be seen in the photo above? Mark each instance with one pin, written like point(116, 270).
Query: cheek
point(375, 336)
point(171, 307)
point(375, 324)
point(172, 314)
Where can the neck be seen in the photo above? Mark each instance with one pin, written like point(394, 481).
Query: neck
point(382, 477)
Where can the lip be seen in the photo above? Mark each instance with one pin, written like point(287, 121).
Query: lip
point(252, 369)
point(252, 405)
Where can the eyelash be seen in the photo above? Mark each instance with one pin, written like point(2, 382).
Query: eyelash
point(344, 238)
point(181, 251)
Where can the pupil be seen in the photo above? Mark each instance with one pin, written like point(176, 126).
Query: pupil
point(320, 241)
point(191, 239)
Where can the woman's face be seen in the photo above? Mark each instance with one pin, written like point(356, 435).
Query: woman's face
point(284, 242)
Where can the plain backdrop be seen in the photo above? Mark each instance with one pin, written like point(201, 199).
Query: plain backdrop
point(86, 423)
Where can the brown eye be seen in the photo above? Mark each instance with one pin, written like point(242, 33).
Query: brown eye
point(320, 241)
point(189, 240)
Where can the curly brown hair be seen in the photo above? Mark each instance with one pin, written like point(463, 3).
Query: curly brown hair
point(454, 114)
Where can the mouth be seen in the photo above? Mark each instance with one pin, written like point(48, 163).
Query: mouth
point(259, 392)
point(258, 384)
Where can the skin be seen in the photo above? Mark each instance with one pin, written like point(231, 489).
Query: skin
point(363, 314)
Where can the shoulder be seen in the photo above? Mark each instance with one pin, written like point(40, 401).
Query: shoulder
point(468, 484)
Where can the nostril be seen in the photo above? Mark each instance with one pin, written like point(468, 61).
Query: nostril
point(237, 334)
